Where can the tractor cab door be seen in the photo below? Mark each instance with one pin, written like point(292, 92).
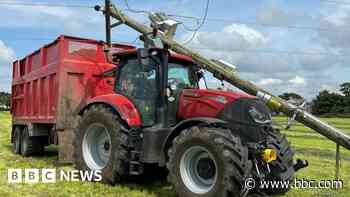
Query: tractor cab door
point(140, 87)
point(180, 76)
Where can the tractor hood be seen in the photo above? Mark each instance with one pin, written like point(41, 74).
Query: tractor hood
point(244, 113)
point(207, 103)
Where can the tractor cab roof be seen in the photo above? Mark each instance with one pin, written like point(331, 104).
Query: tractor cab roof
point(173, 56)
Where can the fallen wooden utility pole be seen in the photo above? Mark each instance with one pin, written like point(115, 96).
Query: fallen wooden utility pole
point(273, 102)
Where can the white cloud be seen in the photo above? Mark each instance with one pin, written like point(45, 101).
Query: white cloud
point(231, 37)
point(269, 81)
point(235, 43)
point(275, 72)
point(336, 19)
point(272, 12)
point(337, 16)
point(7, 55)
point(297, 80)
point(249, 35)
point(39, 10)
point(69, 20)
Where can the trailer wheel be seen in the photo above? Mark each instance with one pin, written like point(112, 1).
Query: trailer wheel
point(282, 169)
point(205, 161)
point(100, 144)
point(30, 145)
point(16, 145)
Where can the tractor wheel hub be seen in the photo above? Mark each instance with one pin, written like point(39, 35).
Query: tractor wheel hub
point(198, 170)
point(96, 146)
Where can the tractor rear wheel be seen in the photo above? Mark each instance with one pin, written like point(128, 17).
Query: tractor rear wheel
point(206, 161)
point(100, 144)
point(282, 169)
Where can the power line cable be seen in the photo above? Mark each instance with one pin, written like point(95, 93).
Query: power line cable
point(44, 4)
point(133, 10)
point(203, 20)
point(195, 30)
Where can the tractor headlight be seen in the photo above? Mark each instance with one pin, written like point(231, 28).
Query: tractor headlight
point(269, 155)
point(258, 116)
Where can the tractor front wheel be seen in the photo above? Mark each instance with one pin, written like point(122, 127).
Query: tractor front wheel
point(282, 169)
point(205, 161)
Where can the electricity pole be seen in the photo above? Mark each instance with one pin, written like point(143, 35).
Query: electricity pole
point(273, 102)
point(108, 22)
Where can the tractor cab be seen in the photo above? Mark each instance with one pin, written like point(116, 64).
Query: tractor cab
point(154, 81)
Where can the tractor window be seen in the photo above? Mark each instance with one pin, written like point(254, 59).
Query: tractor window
point(140, 87)
point(181, 76)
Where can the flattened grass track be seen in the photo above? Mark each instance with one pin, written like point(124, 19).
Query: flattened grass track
point(309, 145)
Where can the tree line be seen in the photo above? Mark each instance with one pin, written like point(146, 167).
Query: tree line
point(326, 102)
point(4, 101)
point(331, 103)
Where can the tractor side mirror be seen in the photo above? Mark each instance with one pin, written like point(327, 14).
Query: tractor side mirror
point(143, 57)
point(200, 74)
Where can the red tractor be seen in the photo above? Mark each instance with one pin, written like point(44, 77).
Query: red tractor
point(209, 140)
point(145, 107)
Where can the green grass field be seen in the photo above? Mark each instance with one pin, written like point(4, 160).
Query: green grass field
point(309, 145)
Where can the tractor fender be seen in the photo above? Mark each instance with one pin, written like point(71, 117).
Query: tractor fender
point(120, 104)
point(176, 130)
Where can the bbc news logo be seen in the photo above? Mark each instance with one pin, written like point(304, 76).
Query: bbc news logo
point(51, 175)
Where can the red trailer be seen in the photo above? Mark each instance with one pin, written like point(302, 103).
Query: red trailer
point(50, 85)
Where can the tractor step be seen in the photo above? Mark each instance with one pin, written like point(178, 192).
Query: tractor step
point(135, 166)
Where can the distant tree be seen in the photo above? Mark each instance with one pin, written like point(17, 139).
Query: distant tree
point(347, 109)
point(345, 88)
point(290, 95)
point(5, 99)
point(328, 103)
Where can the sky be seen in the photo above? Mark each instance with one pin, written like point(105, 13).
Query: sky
point(283, 46)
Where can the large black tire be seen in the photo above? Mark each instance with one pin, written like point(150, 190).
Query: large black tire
point(282, 169)
point(226, 150)
point(30, 145)
point(116, 167)
point(16, 144)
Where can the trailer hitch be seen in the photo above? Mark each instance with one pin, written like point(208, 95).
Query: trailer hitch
point(300, 164)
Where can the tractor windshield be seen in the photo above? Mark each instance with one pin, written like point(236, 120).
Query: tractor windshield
point(181, 75)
